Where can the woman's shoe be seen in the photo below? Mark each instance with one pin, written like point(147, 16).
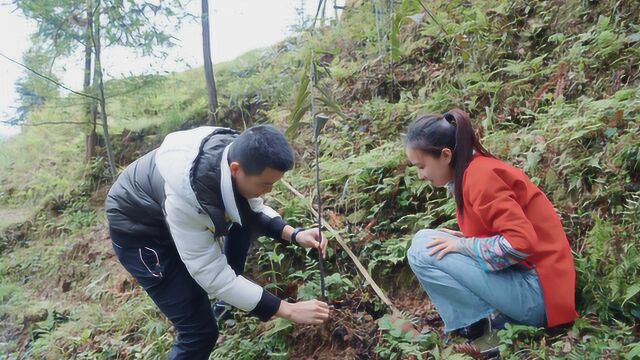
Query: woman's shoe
point(483, 335)
point(474, 330)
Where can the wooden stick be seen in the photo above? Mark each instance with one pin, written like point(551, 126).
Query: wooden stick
point(346, 248)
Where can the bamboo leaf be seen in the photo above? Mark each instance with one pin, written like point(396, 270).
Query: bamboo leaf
point(632, 291)
point(301, 104)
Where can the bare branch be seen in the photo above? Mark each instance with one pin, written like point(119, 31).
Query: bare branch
point(47, 123)
point(48, 78)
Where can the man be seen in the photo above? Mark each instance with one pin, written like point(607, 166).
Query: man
point(169, 211)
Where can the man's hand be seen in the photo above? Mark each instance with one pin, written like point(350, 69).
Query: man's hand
point(310, 238)
point(305, 312)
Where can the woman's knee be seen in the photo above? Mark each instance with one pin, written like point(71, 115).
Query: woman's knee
point(425, 236)
point(418, 252)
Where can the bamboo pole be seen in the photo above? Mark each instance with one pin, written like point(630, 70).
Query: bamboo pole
point(348, 250)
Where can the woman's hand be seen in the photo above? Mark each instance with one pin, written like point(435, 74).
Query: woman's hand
point(452, 232)
point(310, 238)
point(442, 246)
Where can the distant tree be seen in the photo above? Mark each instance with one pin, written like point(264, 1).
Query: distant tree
point(66, 25)
point(212, 93)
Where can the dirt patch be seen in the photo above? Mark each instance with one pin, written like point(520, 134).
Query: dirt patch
point(352, 329)
point(12, 216)
point(15, 227)
point(415, 306)
point(347, 334)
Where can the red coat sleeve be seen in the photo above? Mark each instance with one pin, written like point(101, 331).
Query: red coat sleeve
point(493, 198)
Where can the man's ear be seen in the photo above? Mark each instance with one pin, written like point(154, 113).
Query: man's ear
point(234, 167)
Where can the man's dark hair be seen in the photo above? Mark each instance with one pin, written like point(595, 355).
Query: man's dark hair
point(261, 147)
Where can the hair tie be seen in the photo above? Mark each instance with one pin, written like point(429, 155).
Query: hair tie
point(450, 118)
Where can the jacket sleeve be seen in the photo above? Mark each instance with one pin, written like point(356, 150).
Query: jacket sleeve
point(495, 201)
point(492, 253)
point(203, 258)
point(269, 221)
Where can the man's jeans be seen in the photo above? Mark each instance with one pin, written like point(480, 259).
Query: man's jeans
point(163, 275)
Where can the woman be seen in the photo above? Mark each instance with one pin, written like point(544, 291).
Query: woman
point(511, 261)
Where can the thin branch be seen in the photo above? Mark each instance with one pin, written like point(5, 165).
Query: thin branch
point(315, 19)
point(72, 104)
point(432, 17)
point(48, 78)
point(47, 123)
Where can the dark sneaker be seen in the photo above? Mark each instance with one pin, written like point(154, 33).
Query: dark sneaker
point(473, 331)
point(221, 311)
point(488, 344)
point(483, 337)
point(499, 320)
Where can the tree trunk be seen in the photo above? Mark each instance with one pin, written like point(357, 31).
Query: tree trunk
point(212, 93)
point(103, 110)
point(324, 13)
point(91, 137)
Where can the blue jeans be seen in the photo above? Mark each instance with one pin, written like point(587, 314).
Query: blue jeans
point(463, 293)
point(160, 271)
